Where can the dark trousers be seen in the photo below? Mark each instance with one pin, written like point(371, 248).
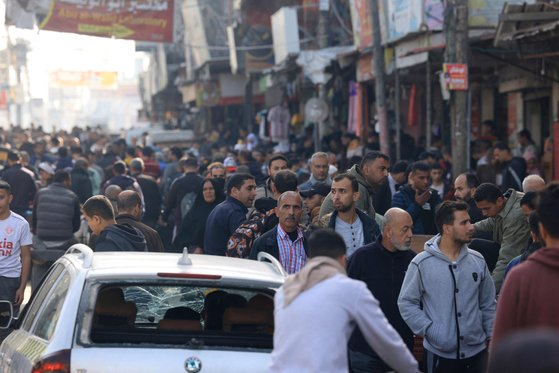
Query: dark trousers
point(360, 362)
point(437, 364)
point(8, 288)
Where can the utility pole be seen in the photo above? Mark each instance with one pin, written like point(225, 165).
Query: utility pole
point(322, 43)
point(380, 91)
point(456, 51)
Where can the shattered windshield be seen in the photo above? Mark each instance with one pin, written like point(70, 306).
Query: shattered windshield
point(170, 314)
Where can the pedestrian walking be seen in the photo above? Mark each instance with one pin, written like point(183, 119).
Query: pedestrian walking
point(317, 309)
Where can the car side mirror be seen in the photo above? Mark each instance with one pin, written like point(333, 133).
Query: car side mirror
point(6, 314)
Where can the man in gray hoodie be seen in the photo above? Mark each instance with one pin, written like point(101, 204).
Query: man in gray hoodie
point(448, 296)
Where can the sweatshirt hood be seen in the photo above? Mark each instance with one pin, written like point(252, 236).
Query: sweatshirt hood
point(547, 256)
point(432, 247)
point(128, 233)
point(355, 170)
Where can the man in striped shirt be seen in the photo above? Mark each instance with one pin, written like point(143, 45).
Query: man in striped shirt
point(286, 241)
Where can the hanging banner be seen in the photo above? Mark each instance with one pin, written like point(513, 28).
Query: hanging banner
point(456, 76)
point(141, 20)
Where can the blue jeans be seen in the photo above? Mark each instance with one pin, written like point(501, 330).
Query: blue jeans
point(360, 362)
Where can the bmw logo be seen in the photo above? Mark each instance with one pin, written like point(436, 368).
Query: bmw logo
point(193, 365)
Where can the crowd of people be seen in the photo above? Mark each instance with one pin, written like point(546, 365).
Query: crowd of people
point(486, 270)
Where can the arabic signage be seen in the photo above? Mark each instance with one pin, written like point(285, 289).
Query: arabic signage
point(456, 76)
point(142, 20)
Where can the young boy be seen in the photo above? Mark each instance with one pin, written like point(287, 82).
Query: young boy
point(15, 250)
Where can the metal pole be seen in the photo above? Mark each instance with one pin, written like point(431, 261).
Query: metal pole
point(456, 34)
point(322, 36)
point(380, 89)
point(397, 109)
point(428, 106)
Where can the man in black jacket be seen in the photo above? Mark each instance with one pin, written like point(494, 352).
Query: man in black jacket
point(150, 190)
point(81, 183)
point(129, 207)
point(382, 266)
point(111, 236)
point(56, 216)
point(513, 169)
point(286, 241)
point(23, 184)
point(183, 191)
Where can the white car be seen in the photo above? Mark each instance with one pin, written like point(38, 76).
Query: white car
point(145, 312)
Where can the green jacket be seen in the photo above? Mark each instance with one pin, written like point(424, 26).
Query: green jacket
point(365, 202)
point(511, 230)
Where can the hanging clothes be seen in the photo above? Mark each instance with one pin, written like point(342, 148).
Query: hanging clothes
point(354, 119)
point(279, 117)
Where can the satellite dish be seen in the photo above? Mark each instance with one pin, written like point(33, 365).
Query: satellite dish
point(316, 110)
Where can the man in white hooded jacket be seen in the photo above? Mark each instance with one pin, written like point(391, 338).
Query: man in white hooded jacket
point(448, 296)
point(317, 309)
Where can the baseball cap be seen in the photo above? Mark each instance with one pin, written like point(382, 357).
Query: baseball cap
point(318, 188)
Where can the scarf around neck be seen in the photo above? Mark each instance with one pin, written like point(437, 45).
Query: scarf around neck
point(315, 271)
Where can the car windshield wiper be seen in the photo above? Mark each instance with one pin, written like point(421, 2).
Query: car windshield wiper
point(195, 343)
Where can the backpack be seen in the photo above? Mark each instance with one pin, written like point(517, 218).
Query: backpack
point(241, 241)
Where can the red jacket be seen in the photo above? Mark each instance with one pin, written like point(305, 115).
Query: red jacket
point(530, 295)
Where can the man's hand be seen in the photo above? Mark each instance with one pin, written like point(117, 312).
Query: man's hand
point(161, 222)
point(20, 294)
point(422, 198)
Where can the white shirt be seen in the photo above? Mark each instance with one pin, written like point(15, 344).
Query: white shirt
point(311, 334)
point(392, 185)
point(351, 233)
point(14, 233)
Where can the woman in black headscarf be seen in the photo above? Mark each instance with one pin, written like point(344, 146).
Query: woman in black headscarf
point(191, 231)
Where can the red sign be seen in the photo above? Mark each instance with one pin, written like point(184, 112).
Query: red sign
point(142, 20)
point(456, 75)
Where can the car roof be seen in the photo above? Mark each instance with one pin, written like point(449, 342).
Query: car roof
point(136, 265)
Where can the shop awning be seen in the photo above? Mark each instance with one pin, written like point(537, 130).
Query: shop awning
point(518, 22)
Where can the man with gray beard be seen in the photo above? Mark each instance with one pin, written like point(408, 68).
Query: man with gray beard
point(382, 266)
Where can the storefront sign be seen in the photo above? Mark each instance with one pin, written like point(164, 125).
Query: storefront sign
point(361, 20)
point(150, 21)
point(456, 76)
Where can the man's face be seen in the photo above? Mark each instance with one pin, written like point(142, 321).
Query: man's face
point(461, 190)
point(246, 194)
point(526, 211)
point(400, 232)
point(343, 196)
point(258, 156)
point(217, 172)
point(319, 168)
point(462, 228)
point(314, 201)
point(436, 175)
point(5, 200)
point(420, 180)
point(491, 209)
point(94, 223)
point(289, 211)
point(376, 172)
point(399, 178)
point(501, 156)
point(276, 166)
